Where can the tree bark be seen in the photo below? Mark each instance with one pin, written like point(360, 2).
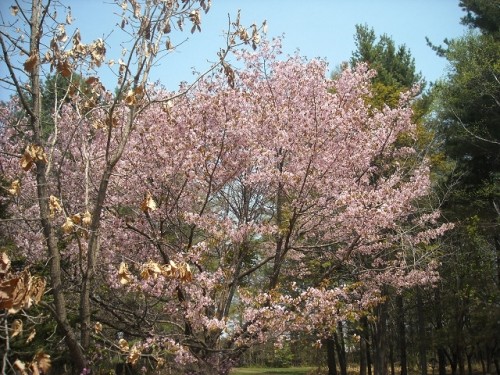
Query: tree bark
point(43, 194)
point(401, 334)
point(363, 346)
point(422, 352)
point(380, 341)
point(330, 356)
point(340, 346)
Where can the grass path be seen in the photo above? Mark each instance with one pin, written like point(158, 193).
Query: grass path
point(272, 371)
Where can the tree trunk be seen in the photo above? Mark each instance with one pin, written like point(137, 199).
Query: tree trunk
point(401, 334)
point(340, 346)
point(44, 196)
point(380, 341)
point(330, 356)
point(422, 339)
point(439, 328)
point(363, 347)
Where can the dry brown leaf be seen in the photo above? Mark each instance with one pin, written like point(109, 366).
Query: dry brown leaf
point(7, 288)
point(32, 154)
point(124, 274)
point(34, 369)
point(37, 288)
point(14, 292)
point(97, 52)
point(16, 328)
point(20, 295)
point(68, 226)
point(31, 336)
point(76, 219)
point(186, 274)
point(41, 361)
point(148, 204)
point(31, 63)
point(64, 68)
point(15, 188)
point(97, 327)
point(150, 269)
point(160, 362)
point(4, 264)
point(134, 355)
point(20, 366)
point(87, 219)
point(123, 344)
point(54, 206)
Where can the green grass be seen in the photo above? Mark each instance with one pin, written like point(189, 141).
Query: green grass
point(271, 371)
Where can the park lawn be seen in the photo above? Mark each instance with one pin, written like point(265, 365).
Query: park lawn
point(271, 371)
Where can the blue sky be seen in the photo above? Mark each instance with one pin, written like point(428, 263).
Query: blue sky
point(317, 28)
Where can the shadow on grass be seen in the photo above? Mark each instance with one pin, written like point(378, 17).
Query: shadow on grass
point(272, 371)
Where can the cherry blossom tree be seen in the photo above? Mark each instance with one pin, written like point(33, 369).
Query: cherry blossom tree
point(232, 208)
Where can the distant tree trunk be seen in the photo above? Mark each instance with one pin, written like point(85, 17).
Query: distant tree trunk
point(422, 346)
point(401, 334)
point(391, 357)
point(439, 328)
point(363, 346)
point(380, 341)
point(330, 356)
point(369, 357)
point(469, 363)
point(340, 346)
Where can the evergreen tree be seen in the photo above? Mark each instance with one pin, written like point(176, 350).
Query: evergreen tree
point(467, 117)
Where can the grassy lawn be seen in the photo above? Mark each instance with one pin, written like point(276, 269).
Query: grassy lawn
point(270, 371)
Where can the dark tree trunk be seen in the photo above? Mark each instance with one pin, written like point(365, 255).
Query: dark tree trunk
point(363, 347)
point(380, 341)
point(330, 356)
point(340, 346)
point(439, 328)
point(391, 357)
point(422, 339)
point(401, 334)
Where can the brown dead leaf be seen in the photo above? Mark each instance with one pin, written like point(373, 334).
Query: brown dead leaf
point(32, 154)
point(16, 328)
point(31, 336)
point(134, 355)
point(31, 63)
point(41, 361)
point(97, 52)
point(64, 68)
point(148, 204)
point(68, 226)
point(4, 264)
point(123, 345)
point(87, 219)
point(150, 269)
point(15, 188)
point(37, 289)
point(54, 206)
point(124, 274)
point(97, 327)
point(7, 289)
point(20, 366)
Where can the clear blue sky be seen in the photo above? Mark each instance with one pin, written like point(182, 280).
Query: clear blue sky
point(317, 28)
